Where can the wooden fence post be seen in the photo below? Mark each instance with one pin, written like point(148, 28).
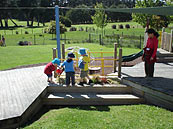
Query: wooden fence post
point(102, 65)
point(34, 40)
point(140, 42)
point(118, 40)
point(115, 56)
point(100, 39)
point(65, 38)
point(89, 38)
point(120, 62)
point(162, 39)
point(63, 51)
point(54, 53)
point(171, 41)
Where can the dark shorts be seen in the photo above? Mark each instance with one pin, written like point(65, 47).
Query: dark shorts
point(49, 75)
point(83, 74)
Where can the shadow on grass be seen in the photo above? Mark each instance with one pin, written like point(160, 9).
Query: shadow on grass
point(46, 109)
point(92, 108)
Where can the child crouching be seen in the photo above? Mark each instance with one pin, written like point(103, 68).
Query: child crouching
point(50, 67)
point(69, 69)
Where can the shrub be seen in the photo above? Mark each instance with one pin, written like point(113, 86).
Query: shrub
point(52, 28)
point(81, 29)
point(73, 29)
point(121, 26)
point(127, 26)
point(26, 32)
point(66, 21)
point(114, 26)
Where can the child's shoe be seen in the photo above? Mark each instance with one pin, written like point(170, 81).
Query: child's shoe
point(80, 83)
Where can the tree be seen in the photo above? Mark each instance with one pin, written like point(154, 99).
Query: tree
point(169, 3)
point(6, 14)
point(156, 22)
point(118, 16)
point(100, 17)
point(79, 15)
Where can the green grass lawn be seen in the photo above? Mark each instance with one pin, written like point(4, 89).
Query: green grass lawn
point(103, 117)
point(13, 56)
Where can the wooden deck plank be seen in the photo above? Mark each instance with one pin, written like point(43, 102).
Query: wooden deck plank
point(2, 94)
point(14, 104)
point(20, 87)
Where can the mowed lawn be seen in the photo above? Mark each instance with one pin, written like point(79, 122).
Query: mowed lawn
point(105, 117)
point(13, 56)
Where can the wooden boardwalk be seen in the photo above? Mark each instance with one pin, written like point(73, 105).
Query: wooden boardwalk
point(19, 88)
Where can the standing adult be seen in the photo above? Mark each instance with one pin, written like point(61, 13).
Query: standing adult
point(3, 41)
point(150, 51)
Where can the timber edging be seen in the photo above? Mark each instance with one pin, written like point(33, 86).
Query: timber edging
point(37, 104)
point(152, 96)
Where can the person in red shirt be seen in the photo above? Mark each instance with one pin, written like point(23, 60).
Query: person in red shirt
point(50, 67)
point(150, 51)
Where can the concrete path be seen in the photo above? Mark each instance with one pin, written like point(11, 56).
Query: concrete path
point(162, 81)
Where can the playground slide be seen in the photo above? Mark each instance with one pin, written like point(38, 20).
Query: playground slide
point(132, 56)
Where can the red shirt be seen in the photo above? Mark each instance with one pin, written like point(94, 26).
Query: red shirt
point(151, 49)
point(49, 68)
point(152, 43)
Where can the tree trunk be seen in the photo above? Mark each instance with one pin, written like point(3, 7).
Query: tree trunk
point(27, 22)
point(43, 23)
point(6, 23)
point(32, 22)
point(13, 22)
point(1, 23)
point(38, 20)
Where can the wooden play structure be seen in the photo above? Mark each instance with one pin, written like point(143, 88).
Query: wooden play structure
point(167, 40)
point(115, 59)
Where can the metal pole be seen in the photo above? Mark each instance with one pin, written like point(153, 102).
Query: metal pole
point(57, 31)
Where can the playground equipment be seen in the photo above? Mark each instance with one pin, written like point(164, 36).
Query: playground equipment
point(101, 58)
point(132, 56)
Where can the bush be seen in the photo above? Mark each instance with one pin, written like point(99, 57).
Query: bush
point(121, 26)
point(52, 28)
point(73, 29)
point(114, 26)
point(26, 32)
point(81, 29)
point(66, 21)
point(127, 26)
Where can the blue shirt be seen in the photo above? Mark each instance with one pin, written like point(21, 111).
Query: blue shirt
point(68, 66)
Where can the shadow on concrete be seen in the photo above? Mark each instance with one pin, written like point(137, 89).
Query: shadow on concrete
point(156, 83)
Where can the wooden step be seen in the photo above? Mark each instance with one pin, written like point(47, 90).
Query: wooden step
point(91, 99)
point(123, 89)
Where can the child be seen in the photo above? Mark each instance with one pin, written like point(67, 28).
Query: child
point(83, 65)
point(52, 66)
point(69, 69)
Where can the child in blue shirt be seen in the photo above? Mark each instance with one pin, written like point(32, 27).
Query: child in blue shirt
point(69, 69)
